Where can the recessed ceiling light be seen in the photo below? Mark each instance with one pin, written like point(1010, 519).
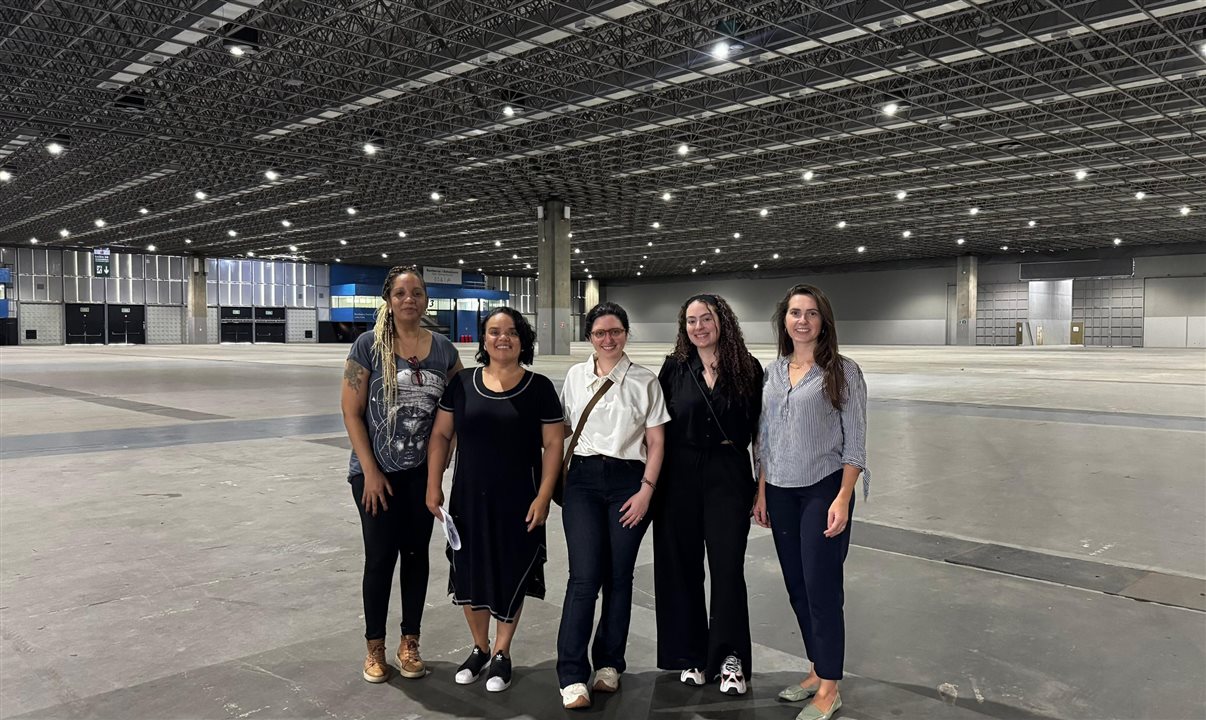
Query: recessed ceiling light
point(694, 269)
point(901, 195)
point(272, 175)
point(577, 251)
point(1081, 174)
point(33, 241)
point(498, 243)
point(667, 196)
point(644, 257)
point(343, 242)
point(54, 148)
point(642, 266)
point(755, 266)
point(286, 223)
point(99, 222)
point(460, 262)
point(960, 241)
point(64, 232)
point(527, 266)
point(808, 175)
point(384, 255)
point(841, 224)
point(703, 262)
point(736, 236)
point(1004, 247)
point(479, 269)
point(683, 149)
point(717, 251)
point(656, 225)
point(143, 211)
point(1184, 209)
point(401, 233)
point(589, 276)
point(350, 210)
point(435, 196)
point(1117, 241)
point(861, 248)
point(1031, 224)
point(188, 241)
point(763, 212)
point(150, 248)
point(581, 262)
point(775, 256)
point(650, 243)
point(338, 260)
point(514, 256)
point(370, 148)
point(508, 111)
point(638, 272)
point(250, 254)
point(907, 233)
point(292, 248)
point(200, 195)
point(974, 211)
point(891, 108)
point(232, 233)
point(1140, 195)
point(5, 176)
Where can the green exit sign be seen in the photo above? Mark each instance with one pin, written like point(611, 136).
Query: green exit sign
point(100, 262)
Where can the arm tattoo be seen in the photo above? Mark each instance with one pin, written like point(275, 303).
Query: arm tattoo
point(352, 374)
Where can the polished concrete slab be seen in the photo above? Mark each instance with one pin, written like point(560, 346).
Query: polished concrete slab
point(1034, 545)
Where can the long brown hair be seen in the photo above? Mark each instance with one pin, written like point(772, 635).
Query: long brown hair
point(736, 370)
point(383, 341)
point(826, 353)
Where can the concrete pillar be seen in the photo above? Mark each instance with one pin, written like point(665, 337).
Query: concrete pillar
point(965, 300)
point(554, 331)
point(196, 325)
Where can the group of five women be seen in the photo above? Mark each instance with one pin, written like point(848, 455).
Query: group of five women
point(671, 450)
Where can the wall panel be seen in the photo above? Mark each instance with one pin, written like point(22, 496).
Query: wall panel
point(45, 318)
point(165, 325)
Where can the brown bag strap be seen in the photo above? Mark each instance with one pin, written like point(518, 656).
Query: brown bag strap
point(569, 452)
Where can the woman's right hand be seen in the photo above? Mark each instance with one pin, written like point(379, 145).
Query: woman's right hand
point(760, 515)
point(376, 487)
point(435, 498)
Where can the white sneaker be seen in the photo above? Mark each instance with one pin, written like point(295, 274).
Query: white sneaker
point(692, 676)
point(575, 697)
point(732, 682)
point(607, 680)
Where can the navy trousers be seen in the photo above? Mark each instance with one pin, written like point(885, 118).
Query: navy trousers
point(812, 567)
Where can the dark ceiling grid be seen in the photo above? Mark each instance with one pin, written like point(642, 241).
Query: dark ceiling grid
point(600, 199)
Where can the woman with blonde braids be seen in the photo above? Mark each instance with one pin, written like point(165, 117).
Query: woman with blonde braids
point(393, 378)
point(713, 389)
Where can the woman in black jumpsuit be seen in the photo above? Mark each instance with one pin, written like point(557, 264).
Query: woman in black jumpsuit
point(713, 389)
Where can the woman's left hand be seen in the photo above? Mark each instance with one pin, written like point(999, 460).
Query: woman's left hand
point(633, 511)
point(538, 513)
point(839, 516)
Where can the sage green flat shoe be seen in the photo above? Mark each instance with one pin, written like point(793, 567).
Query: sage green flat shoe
point(812, 712)
point(795, 693)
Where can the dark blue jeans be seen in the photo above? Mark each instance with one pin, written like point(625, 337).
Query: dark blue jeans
point(602, 555)
point(812, 567)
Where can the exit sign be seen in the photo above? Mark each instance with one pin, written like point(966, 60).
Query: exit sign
point(100, 262)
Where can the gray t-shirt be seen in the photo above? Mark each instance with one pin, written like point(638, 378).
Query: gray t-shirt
point(418, 393)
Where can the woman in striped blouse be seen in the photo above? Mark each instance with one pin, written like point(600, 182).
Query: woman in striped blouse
point(812, 448)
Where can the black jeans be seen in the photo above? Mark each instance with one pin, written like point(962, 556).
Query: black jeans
point(812, 567)
point(703, 501)
point(602, 555)
point(404, 529)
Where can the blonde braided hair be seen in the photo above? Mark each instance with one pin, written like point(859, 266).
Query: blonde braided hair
point(384, 334)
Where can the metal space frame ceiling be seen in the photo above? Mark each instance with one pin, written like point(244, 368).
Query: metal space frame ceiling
point(791, 158)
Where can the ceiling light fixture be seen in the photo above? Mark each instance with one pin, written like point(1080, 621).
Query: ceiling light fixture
point(143, 211)
point(292, 248)
point(861, 248)
point(638, 272)
point(435, 196)
point(763, 212)
point(717, 251)
point(1184, 209)
point(841, 224)
point(755, 266)
point(286, 223)
point(232, 233)
point(656, 225)
point(808, 175)
point(736, 236)
point(460, 262)
point(901, 194)
point(775, 256)
point(1140, 195)
point(577, 250)
point(150, 248)
point(250, 253)
point(974, 211)
point(272, 175)
point(99, 222)
point(514, 256)
point(683, 149)
point(64, 232)
point(338, 260)
point(370, 148)
point(666, 196)
point(351, 210)
point(236, 51)
point(960, 241)
point(188, 241)
point(343, 242)
point(1081, 174)
point(527, 266)
point(891, 108)
point(384, 255)
point(498, 243)
point(694, 269)
point(54, 148)
point(720, 50)
point(508, 111)
point(650, 243)
point(1117, 241)
point(33, 241)
point(5, 176)
point(1031, 224)
point(200, 195)
point(1004, 247)
point(907, 233)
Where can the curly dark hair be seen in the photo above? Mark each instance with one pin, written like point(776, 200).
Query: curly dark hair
point(736, 369)
point(527, 336)
point(826, 353)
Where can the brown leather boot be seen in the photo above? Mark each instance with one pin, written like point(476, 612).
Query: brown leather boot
point(375, 669)
point(410, 664)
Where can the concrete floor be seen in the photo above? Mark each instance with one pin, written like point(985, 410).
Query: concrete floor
point(177, 541)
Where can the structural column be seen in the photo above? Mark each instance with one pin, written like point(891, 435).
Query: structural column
point(965, 300)
point(195, 324)
point(554, 331)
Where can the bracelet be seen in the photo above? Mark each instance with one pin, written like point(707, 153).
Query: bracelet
point(646, 481)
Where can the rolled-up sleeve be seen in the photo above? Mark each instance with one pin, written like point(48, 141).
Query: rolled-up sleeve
point(854, 423)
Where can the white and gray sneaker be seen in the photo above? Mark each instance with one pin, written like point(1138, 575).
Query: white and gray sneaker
point(692, 676)
point(732, 681)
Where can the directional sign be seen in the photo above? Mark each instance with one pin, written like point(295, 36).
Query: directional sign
point(100, 262)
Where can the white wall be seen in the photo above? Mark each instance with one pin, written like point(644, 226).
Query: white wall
point(1174, 312)
point(894, 307)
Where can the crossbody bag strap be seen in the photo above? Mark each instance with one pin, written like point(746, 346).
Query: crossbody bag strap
point(569, 453)
point(719, 425)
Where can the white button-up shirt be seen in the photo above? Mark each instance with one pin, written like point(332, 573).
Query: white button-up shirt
point(616, 426)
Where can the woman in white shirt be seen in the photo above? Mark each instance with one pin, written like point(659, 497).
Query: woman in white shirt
point(611, 479)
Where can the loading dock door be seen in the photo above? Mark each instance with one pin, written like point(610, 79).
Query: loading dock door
point(85, 323)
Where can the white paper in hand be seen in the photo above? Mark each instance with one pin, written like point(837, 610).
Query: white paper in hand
point(453, 537)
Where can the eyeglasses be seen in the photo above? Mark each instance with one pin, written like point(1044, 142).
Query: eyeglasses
point(416, 372)
point(614, 333)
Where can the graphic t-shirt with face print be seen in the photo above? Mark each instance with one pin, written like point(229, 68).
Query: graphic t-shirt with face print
point(413, 413)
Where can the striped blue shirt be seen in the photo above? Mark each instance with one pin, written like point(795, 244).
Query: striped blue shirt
point(801, 438)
